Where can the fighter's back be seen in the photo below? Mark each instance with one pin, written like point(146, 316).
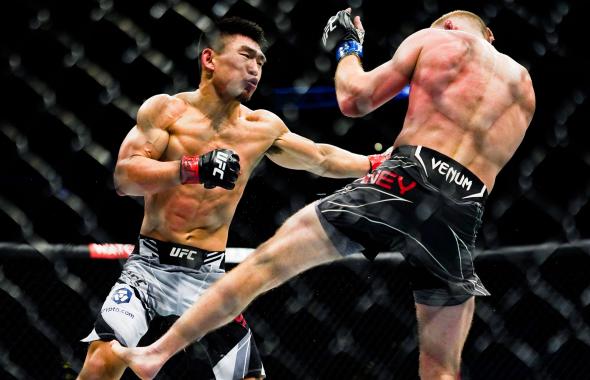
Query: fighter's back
point(467, 101)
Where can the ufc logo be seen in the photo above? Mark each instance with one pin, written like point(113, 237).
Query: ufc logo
point(329, 27)
point(221, 161)
point(181, 252)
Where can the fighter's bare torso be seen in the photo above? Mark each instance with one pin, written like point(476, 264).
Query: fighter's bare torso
point(192, 214)
point(467, 101)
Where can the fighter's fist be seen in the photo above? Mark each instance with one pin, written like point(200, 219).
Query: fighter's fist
point(219, 167)
point(341, 33)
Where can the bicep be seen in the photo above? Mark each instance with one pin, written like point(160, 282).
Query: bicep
point(145, 142)
point(149, 138)
point(361, 92)
point(388, 79)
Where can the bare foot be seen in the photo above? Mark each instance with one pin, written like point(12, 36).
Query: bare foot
point(143, 361)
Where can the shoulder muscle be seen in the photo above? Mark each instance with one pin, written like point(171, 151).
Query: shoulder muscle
point(160, 111)
point(268, 120)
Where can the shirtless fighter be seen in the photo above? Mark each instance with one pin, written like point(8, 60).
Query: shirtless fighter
point(190, 156)
point(469, 108)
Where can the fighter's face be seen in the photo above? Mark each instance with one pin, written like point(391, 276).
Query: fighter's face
point(238, 67)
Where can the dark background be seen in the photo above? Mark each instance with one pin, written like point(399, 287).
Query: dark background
point(74, 73)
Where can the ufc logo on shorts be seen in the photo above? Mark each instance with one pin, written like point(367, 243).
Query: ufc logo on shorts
point(221, 161)
point(329, 27)
point(181, 252)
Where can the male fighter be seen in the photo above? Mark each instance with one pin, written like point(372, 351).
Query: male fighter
point(190, 156)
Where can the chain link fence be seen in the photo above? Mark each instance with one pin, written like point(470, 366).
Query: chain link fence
point(353, 319)
point(75, 73)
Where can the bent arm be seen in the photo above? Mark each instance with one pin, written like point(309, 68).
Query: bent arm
point(138, 170)
point(360, 92)
point(296, 152)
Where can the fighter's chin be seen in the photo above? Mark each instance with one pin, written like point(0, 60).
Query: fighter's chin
point(244, 97)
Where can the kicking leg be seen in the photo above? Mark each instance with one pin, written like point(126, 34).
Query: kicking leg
point(301, 243)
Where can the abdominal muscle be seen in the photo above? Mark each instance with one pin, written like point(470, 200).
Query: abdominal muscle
point(191, 215)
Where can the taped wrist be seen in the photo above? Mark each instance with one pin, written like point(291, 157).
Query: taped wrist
point(375, 160)
point(189, 170)
point(373, 164)
point(349, 47)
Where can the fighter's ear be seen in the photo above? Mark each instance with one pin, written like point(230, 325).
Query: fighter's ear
point(489, 35)
point(207, 59)
point(449, 25)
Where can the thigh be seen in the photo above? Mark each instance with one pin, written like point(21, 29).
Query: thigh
point(122, 317)
point(299, 244)
point(442, 330)
point(374, 217)
point(441, 254)
point(127, 309)
point(188, 288)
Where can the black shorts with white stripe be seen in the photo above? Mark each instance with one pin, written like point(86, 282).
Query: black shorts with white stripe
point(423, 204)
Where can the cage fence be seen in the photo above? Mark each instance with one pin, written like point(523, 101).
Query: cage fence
point(77, 71)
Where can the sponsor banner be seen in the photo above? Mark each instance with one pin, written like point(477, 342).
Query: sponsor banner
point(110, 251)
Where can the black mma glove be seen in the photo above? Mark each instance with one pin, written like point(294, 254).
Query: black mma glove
point(219, 167)
point(341, 34)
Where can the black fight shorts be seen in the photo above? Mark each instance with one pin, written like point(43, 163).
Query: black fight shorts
point(423, 204)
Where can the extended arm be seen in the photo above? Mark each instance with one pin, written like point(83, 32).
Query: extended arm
point(293, 151)
point(296, 152)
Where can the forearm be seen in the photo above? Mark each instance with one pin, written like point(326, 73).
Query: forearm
point(340, 163)
point(351, 87)
point(139, 175)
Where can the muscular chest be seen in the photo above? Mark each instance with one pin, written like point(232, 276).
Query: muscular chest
point(197, 135)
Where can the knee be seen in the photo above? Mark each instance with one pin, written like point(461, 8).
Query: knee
point(439, 368)
point(94, 368)
point(101, 363)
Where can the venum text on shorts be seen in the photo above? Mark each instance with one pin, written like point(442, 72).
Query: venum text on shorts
point(451, 174)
